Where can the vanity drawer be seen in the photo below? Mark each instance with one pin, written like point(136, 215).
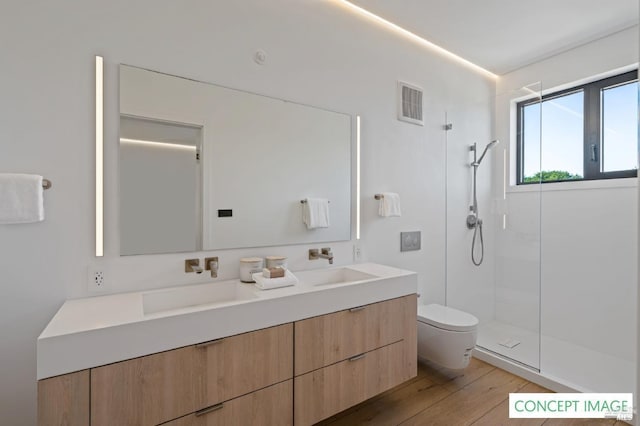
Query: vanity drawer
point(241, 364)
point(266, 407)
point(164, 386)
point(327, 391)
point(331, 338)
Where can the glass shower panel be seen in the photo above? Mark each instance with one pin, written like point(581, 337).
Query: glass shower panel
point(514, 331)
point(504, 290)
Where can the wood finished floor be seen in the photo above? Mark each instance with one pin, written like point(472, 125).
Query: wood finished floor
point(478, 396)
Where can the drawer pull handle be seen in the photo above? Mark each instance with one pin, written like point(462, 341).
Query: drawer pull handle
point(209, 409)
point(212, 342)
point(359, 308)
point(357, 357)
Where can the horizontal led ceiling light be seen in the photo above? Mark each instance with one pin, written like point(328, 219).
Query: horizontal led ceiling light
point(158, 144)
point(408, 34)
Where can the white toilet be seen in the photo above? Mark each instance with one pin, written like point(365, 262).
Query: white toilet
point(446, 336)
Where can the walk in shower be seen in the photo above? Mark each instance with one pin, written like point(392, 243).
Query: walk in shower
point(554, 285)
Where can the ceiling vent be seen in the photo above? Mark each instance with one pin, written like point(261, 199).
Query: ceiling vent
point(410, 103)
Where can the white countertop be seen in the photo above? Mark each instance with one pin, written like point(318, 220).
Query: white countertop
point(95, 331)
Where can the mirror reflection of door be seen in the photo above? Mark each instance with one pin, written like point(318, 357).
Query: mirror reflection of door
point(159, 186)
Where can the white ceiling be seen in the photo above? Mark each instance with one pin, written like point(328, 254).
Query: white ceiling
point(503, 35)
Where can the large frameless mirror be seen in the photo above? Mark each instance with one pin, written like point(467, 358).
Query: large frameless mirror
point(204, 167)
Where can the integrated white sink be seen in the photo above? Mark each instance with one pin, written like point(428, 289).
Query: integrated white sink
point(86, 333)
point(320, 277)
point(229, 292)
point(195, 295)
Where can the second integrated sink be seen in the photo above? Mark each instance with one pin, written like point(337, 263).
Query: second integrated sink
point(195, 295)
point(320, 277)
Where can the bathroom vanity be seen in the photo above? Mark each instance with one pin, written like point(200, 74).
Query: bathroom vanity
point(292, 355)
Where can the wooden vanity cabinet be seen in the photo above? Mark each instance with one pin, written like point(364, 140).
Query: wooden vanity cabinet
point(296, 373)
point(157, 388)
point(346, 357)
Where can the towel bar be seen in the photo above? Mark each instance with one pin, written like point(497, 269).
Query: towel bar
point(378, 196)
point(46, 184)
point(305, 201)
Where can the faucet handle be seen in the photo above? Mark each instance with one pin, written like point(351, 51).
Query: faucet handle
point(326, 250)
point(211, 264)
point(313, 254)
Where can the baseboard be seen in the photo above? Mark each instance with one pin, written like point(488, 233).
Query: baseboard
point(527, 373)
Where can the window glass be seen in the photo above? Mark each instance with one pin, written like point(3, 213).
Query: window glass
point(619, 130)
point(531, 137)
point(562, 137)
point(588, 132)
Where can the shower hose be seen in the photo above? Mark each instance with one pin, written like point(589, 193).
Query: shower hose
point(473, 244)
point(477, 223)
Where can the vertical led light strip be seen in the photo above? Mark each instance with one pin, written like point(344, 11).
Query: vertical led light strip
point(99, 156)
point(357, 177)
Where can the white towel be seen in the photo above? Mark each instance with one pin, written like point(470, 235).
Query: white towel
point(268, 283)
point(21, 198)
point(389, 205)
point(315, 213)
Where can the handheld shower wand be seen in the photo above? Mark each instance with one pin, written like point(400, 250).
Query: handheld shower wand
point(486, 148)
point(473, 220)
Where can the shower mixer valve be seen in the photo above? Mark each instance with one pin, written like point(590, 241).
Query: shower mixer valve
point(473, 221)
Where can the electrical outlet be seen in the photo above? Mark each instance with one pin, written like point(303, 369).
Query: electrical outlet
point(97, 280)
point(357, 253)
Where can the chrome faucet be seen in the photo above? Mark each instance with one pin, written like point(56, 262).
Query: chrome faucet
point(324, 253)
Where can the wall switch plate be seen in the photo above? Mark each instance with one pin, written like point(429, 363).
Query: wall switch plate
point(410, 241)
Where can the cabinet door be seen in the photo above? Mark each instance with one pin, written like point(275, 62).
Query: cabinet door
point(164, 386)
point(64, 400)
point(267, 407)
point(329, 390)
point(330, 338)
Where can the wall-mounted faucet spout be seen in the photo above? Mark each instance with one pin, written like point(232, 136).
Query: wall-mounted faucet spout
point(192, 265)
point(324, 253)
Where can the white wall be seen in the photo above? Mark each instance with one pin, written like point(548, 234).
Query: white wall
point(317, 53)
point(587, 241)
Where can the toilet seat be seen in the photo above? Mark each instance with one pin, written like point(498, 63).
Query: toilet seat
point(446, 318)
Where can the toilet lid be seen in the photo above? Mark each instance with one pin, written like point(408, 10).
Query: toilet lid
point(446, 318)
